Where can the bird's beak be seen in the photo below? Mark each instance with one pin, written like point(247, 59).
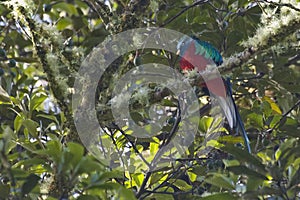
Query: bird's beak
point(178, 52)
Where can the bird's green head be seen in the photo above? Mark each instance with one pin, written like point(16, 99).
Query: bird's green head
point(201, 48)
point(183, 44)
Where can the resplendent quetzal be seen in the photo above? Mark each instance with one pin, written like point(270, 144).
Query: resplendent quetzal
point(202, 54)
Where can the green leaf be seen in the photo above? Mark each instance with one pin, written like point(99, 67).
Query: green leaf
point(220, 181)
point(154, 148)
point(283, 149)
point(137, 179)
point(243, 156)
point(125, 194)
point(51, 117)
point(274, 106)
point(136, 116)
point(30, 147)
point(63, 23)
point(218, 196)
point(106, 186)
point(192, 176)
point(160, 196)
point(30, 162)
point(205, 123)
point(256, 119)
point(77, 152)
point(69, 8)
point(65, 163)
point(275, 120)
point(31, 126)
point(18, 122)
point(231, 139)
point(4, 97)
point(182, 185)
point(266, 108)
point(262, 191)
point(199, 170)
point(88, 165)
point(30, 182)
point(54, 150)
point(4, 191)
point(238, 170)
point(167, 102)
point(36, 101)
point(230, 163)
point(108, 175)
point(87, 197)
point(155, 177)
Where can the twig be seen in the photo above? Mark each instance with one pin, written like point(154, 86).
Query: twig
point(190, 159)
point(183, 11)
point(171, 193)
point(217, 9)
point(158, 154)
point(104, 11)
point(171, 175)
point(257, 76)
point(111, 135)
point(293, 60)
point(142, 188)
point(282, 4)
point(174, 128)
point(285, 114)
point(132, 144)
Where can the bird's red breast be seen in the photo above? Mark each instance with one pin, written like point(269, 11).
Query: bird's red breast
point(191, 60)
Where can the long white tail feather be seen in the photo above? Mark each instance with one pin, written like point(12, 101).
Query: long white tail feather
point(228, 108)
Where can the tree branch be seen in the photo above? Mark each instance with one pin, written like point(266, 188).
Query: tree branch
point(142, 188)
point(282, 4)
point(133, 145)
point(183, 11)
point(174, 128)
point(57, 88)
point(265, 37)
point(286, 114)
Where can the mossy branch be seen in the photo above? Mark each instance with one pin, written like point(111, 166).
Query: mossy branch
point(58, 86)
point(276, 30)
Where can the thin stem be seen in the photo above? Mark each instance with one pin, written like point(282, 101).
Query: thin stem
point(133, 145)
point(285, 114)
point(282, 4)
point(142, 188)
point(183, 11)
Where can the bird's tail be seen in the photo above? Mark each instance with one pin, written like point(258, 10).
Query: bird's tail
point(238, 125)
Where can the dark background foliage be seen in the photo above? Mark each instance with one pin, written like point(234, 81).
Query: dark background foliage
point(42, 46)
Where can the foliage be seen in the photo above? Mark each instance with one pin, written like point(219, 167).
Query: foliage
point(43, 44)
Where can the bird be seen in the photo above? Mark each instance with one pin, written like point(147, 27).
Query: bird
point(201, 54)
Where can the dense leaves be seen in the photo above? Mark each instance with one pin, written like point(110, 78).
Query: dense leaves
point(43, 44)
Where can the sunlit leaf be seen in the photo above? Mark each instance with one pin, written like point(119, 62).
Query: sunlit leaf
point(274, 106)
point(182, 185)
point(220, 180)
